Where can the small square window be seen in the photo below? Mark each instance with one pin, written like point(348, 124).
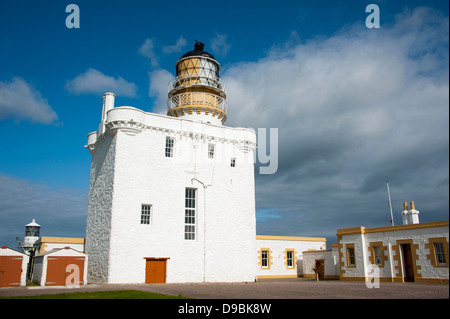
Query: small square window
point(233, 162)
point(146, 211)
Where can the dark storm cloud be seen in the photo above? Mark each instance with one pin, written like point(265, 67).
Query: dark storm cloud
point(352, 111)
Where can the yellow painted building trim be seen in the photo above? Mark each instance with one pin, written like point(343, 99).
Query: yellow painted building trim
point(277, 276)
point(341, 257)
point(372, 253)
point(315, 251)
point(269, 258)
point(414, 258)
point(294, 258)
point(389, 279)
point(432, 255)
point(67, 240)
point(207, 108)
point(347, 246)
point(291, 238)
point(363, 230)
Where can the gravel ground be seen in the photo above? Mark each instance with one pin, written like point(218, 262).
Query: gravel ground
point(264, 289)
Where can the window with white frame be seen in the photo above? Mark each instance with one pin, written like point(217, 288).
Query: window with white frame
point(170, 141)
point(233, 162)
point(264, 258)
point(146, 212)
point(289, 259)
point(211, 149)
point(189, 214)
point(440, 253)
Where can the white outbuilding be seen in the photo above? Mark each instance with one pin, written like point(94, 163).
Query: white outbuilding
point(13, 267)
point(412, 252)
point(60, 267)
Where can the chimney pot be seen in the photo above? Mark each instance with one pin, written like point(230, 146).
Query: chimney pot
point(412, 205)
point(405, 206)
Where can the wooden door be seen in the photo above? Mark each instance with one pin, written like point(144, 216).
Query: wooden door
point(10, 271)
point(58, 270)
point(320, 268)
point(155, 271)
point(407, 262)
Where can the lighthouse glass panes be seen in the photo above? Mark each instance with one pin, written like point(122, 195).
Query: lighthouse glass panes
point(146, 211)
point(198, 71)
point(189, 214)
point(169, 146)
point(32, 231)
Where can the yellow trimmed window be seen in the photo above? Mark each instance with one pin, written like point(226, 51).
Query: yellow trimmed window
point(351, 259)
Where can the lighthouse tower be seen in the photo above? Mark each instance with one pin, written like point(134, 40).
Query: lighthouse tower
point(32, 231)
point(197, 92)
point(172, 197)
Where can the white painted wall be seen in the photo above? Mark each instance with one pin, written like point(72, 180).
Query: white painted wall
point(129, 168)
point(418, 235)
point(331, 262)
point(278, 249)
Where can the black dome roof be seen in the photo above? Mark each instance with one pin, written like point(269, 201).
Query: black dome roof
point(198, 51)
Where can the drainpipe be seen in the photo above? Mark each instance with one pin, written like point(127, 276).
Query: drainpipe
point(391, 262)
point(204, 224)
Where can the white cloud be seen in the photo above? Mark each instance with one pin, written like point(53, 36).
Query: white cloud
point(353, 110)
point(181, 42)
point(159, 80)
point(93, 81)
point(219, 44)
point(19, 100)
point(148, 51)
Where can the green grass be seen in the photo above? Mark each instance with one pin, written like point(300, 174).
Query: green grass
point(119, 294)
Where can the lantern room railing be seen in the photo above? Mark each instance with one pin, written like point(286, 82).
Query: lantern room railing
point(197, 99)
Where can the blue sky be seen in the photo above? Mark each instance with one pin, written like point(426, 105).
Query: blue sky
point(354, 106)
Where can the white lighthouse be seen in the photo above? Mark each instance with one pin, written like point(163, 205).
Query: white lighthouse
point(32, 233)
point(172, 197)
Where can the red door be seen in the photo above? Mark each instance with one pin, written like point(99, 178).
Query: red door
point(10, 271)
point(60, 267)
point(155, 271)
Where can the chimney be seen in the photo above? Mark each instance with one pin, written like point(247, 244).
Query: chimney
point(108, 104)
point(410, 216)
point(414, 214)
point(405, 216)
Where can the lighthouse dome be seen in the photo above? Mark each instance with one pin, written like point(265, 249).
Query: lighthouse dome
point(198, 51)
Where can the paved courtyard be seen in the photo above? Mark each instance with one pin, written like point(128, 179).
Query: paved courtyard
point(264, 289)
